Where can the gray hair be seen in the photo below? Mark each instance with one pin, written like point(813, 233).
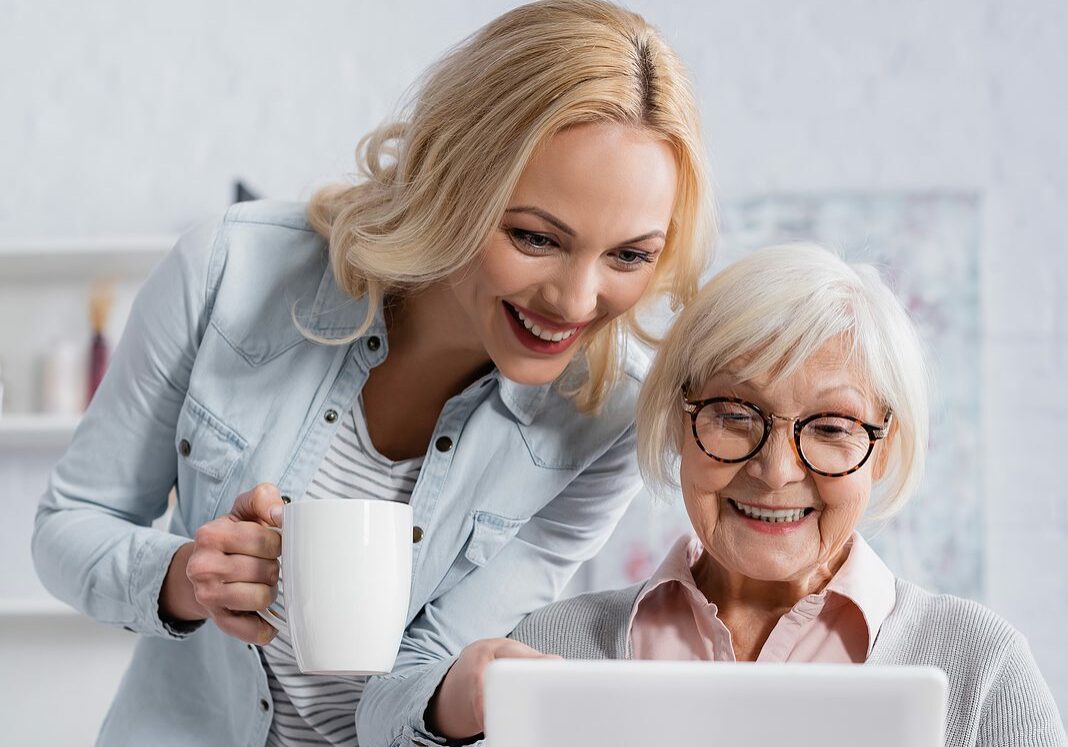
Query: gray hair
point(776, 307)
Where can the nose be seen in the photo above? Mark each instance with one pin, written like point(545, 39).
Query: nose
point(575, 292)
point(778, 464)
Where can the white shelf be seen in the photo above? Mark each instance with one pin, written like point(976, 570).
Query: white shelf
point(128, 257)
point(36, 430)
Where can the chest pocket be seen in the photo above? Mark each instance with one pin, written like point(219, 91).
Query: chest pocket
point(489, 534)
point(208, 451)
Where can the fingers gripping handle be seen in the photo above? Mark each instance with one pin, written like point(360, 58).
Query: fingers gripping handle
point(273, 616)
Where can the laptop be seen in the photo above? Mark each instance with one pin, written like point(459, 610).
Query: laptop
point(554, 703)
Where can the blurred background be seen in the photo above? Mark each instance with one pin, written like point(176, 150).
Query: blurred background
point(924, 137)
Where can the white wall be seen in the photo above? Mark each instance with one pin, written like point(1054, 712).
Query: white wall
point(123, 118)
point(58, 677)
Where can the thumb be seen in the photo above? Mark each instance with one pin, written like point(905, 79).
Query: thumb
point(262, 504)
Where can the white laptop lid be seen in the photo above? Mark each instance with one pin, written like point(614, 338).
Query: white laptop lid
point(554, 703)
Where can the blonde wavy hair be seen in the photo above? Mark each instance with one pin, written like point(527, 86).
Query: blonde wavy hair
point(435, 184)
point(774, 309)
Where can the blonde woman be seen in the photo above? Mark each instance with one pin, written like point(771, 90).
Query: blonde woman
point(451, 331)
point(788, 402)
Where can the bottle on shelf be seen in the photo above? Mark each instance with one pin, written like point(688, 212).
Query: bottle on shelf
point(100, 301)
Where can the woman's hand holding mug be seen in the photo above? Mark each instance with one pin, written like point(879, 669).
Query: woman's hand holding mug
point(231, 568)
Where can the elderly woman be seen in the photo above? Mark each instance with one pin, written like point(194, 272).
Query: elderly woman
point(791, 395)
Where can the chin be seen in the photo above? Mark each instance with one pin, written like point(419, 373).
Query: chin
point(531, 375)
point(773, 568)
point(529, 370)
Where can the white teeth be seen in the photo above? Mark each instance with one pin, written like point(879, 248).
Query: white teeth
point(543, 334)
point(779, 516)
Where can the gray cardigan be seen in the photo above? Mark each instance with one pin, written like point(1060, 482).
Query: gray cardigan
point(997, 697)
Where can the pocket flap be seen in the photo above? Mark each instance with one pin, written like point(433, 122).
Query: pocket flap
point(490, 534)
point(205, 443)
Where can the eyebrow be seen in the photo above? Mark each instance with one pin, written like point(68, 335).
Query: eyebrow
point(842, 388)
point(734, 381)
point(553, 220)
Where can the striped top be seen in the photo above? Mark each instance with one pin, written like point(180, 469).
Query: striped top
point(312, 709)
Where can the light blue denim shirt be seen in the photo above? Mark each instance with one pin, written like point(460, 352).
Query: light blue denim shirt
point(214, 389)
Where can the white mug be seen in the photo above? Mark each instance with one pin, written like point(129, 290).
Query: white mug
point(346, 580)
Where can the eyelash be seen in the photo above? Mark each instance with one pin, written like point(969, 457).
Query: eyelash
point(522, 239)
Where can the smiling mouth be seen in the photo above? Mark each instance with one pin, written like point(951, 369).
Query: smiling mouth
point(543, 334)
point(768, 515)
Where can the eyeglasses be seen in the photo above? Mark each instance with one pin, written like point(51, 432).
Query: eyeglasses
point(732, 430)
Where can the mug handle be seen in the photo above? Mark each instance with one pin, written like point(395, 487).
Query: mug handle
point(273, 619)
point(269, 615)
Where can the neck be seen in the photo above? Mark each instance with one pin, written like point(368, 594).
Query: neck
point(426, 332)
point(730, 590)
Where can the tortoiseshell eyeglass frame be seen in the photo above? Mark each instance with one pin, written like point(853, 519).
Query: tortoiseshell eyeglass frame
point(875, 432)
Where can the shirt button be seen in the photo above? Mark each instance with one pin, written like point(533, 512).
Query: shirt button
point(417, 534)
point(373, 343)
point(330, 416)
point(184, 447)
point(443, 444)
point(264, 705)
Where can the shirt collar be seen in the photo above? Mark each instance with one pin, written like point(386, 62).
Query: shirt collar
point(863, 579)
point(335, 314)
point(522, 400)
point(676, 566)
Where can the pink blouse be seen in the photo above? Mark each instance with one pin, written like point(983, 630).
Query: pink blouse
point(672, 619)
